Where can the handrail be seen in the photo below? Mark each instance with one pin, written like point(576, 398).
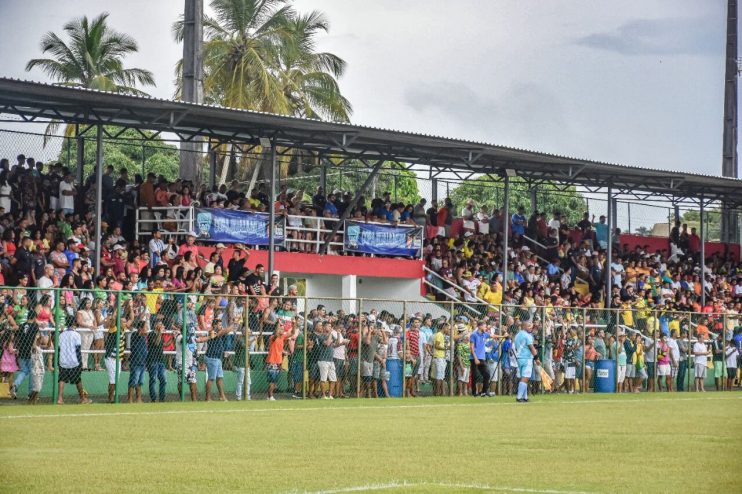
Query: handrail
point(543, 247)
point(461, 289)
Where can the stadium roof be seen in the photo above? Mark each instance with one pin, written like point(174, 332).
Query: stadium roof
point(33, 100)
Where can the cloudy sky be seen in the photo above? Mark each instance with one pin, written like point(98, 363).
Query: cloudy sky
point(634, 82)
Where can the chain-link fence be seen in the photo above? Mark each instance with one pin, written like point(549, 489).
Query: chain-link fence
point(68, 345)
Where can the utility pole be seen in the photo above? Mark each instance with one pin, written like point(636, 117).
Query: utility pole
point(192, 90)
point(729, 166)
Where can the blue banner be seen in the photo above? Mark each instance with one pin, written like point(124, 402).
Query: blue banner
point(231, 226)
point(388, 240)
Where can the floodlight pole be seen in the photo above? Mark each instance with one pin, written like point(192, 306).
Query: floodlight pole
point(505, 233)
point(80, 155)
point(609, 254)
point(98, 196)
point(272, 214)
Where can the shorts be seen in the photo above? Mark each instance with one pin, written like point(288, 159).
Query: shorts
point(525, 369)
point(493, 371)
point(327, 371)
point(631, 371)
point(700, 371)
point(339, 368)
point(37, 382)
point(297, 371)
point(136, 376)
point(590, 365)
point(731, 372)
point(464, 374)
point(642, 373)
point(621, 373)
point(718, 369)
point(314, 372)
point(380, 373)
point(214, 368)
point(570, 371)
point(190, 377)
point(673, 372)
point(272, 373)
point(650, 368)
point(367, 369)
point(663, 370)
point(99, 334)
point(416, 364)
point(111, 369)
point(439, 369)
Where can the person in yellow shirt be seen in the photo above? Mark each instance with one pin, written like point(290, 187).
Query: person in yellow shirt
point(642, 310)
point(439, 358)
point(627, 314)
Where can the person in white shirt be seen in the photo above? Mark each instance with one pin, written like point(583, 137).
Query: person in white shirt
point(471, 285)
point(67, 193)
point(700, 357)
point(338, 358)
point(731, 354)
point(554, 222)
point(672, 344)
point(617, 271)
point(70, 361)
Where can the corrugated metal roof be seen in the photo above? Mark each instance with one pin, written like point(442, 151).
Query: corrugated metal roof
point(93, 106)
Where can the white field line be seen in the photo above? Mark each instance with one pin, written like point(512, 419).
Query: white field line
point(361, 407)
point(482, 487)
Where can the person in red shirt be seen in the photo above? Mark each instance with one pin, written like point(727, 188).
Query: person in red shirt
point(412, 345)
point(694, 242)
point(189, 246)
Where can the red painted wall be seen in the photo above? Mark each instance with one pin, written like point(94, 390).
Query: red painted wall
point(658, 243)
point(294, 262)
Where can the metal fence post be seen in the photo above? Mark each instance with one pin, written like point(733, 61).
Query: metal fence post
point(304, 371)
point(452, 349)
point(404, 347)
point(117, 348)
point(613, 318)
point(724, 352)
point(542, 356)
point(584, 338)
point(500, 355)
point(55, 346)
point(655, 324)
point(183, 344)
point(247, 380)
point(359, 352)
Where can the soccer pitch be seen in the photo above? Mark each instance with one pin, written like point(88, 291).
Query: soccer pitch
point(554, 444)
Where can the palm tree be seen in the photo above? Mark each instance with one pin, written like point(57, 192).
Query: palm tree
point(93, 58)
point(260, 55)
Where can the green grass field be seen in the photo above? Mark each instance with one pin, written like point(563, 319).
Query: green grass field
point(593, 443)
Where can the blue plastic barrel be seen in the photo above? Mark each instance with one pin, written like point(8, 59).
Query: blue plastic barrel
point(394, 367)
point(605, 376)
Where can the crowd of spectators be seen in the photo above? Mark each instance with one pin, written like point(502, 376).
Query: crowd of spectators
point(47, 225)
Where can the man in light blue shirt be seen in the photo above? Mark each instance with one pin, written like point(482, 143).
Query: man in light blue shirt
point(525, 351)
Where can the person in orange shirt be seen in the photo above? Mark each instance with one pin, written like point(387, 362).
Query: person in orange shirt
point(275, 356)
point(702, 328)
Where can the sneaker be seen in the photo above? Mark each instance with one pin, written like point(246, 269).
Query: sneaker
point(271, 398)
point(520, 400)
point(489, 395)
point(296, 396)
point(330, 398)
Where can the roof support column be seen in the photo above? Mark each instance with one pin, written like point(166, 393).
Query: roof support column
point(609, 254)
point(505, 234)
point(534, 200)
point(703, 254)
point(80, 155)
point(272, 214)
point(98, 196)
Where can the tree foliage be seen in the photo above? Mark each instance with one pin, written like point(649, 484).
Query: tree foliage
point(130, 152)
point(392, 178)
point(490, 193)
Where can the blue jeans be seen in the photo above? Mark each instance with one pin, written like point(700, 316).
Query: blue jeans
point(156, 370)
point(136, 376)
point(682, 371)
point(24, 370)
